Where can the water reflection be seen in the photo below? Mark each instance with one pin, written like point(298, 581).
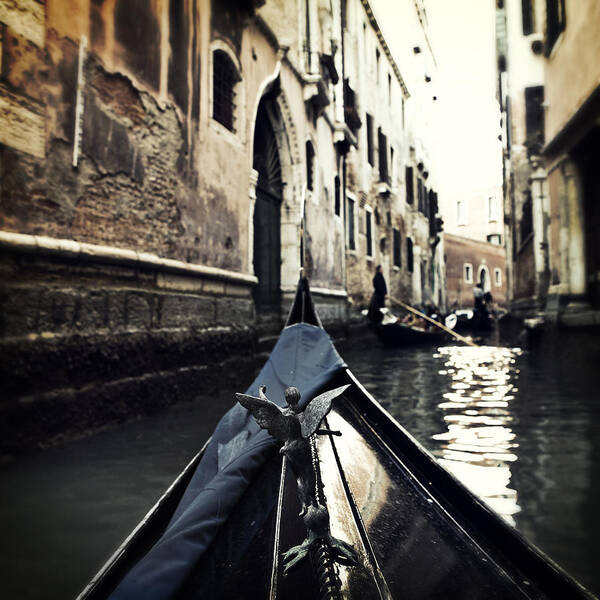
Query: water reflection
point(479, 444)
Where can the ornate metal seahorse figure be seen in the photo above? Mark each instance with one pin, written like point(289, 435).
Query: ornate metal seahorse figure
point(296, 429)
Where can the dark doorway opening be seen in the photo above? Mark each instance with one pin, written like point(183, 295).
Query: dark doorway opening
point(267, 216)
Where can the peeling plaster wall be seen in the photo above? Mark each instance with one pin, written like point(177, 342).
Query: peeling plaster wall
point(91, 342)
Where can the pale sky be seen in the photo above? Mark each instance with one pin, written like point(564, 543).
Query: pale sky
point(468, 153)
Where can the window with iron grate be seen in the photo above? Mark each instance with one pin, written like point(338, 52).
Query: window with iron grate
point(225, 78)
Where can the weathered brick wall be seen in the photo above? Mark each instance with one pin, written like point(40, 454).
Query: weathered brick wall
point(458, 251)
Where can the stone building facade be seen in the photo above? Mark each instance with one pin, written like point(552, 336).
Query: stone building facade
point(521, 95)
point(166, 169)
point(391, 204)
point(555, 228)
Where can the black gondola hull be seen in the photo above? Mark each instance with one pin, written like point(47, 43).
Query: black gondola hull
point(418, 532)
point(398, 334)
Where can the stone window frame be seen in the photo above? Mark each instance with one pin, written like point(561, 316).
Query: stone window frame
point(484, 268)
point(337, 197)
point(492, 206)
point(410, 254)
point(310, 157)
point(468, 272)
point(369, 232)
point(409, 182)
point(237, 136)
point(498, 277)
point(350, 197)
point(397, 248)
point(370, 142)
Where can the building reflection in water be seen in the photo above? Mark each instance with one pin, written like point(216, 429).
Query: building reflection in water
point(479, 446)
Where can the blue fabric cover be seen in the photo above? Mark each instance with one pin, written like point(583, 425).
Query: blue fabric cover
point(305, 357)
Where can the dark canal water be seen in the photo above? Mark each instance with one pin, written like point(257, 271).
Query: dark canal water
point(519, 425)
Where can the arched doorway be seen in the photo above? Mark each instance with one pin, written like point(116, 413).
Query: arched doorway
point(484, 278)
point(267, 215)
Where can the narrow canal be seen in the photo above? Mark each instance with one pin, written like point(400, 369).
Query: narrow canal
point(519, 425)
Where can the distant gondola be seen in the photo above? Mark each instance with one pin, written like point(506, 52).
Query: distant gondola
point(416, 532)
point(400, 334)
point(467, 320)
point(393, 332)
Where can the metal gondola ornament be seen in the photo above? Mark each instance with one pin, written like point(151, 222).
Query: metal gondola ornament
point(297, 429)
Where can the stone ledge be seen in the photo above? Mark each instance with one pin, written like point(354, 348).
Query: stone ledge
point(38, 364)
point(69, 413)
point(71, 249)
point(318, 291)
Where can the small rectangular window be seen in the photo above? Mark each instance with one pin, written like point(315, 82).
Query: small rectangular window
point(397, 249)
point(498, 277)
point(420, 195)
point(369, 232)
point(492, 209)
point(409, 255)
point(310, 165)
point(494, 238)
point(410, 189)
point(534, 118)
point(351, 236)
point(383, 162)
point(527, 11)
point(468, 269)
point(370, 153)
point(337, 197)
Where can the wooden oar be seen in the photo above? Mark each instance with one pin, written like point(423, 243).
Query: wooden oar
point(459, 337)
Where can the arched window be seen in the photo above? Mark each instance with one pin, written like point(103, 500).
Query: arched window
point(225, 78)
point(484, 278)
point(310, 165)
point(409, 255)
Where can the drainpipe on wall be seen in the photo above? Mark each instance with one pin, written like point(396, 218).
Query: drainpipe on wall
point(540, 232)
point(343, 199)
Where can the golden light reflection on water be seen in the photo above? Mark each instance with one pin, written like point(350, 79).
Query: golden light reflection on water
point(479, 444)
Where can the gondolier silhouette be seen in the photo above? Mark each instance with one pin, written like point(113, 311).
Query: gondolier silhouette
point(379, 295)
